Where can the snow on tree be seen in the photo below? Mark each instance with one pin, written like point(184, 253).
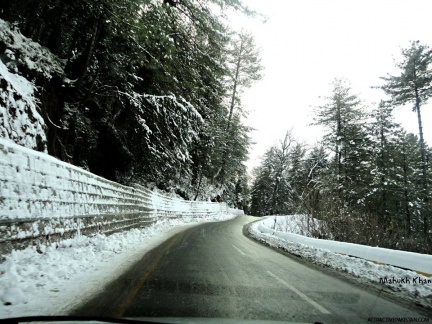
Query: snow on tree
point(244, 66)
point(147, 98)
point(20, 120)
point(21, 60)
point(274, 187)
point(414, 85)
point(343, 117)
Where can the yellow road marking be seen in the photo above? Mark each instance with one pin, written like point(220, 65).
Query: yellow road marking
point(132, 293)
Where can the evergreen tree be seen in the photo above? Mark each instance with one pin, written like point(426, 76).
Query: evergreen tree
point(144, 95)
point(244, 66)
point(315, 166)
point(413, 85)
point(343, 117)
point(261, 191)
point(272, 189)
point(382, 131)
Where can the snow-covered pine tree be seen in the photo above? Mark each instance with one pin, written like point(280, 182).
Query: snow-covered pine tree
point(414, 85)
point(143, 95)
point(343, 118)
point(272, 191)
point(244, 66)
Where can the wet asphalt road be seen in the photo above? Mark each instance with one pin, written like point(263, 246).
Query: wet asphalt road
point(213, 270)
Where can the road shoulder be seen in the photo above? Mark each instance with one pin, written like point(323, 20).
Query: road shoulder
point(360, 282)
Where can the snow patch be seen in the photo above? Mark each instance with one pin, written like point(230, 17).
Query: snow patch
point(20, 120)
point(23, 59)
point(403, 259)
point(59, 279)
point(29, 55)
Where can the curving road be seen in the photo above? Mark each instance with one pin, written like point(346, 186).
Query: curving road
point(213, 270)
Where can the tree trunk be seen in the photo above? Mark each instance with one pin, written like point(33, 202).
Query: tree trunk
point(425, 198)
point(338, 140)
point(222, 171)
point(407, 211)
point(90, 50)
point(199, 186)
point(383, 189)
point(234, 92)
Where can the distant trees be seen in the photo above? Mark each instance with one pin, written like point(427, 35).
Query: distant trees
point(364, 180)
point(276, 179)
point(144, 98)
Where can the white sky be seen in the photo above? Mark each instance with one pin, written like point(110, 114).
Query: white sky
point(305, 44)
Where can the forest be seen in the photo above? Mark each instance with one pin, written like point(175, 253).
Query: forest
point(149, 92)
point(367, 181)
point(144, 91)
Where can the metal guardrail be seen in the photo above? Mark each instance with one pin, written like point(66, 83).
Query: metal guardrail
point(33, 232)
point(44, 200)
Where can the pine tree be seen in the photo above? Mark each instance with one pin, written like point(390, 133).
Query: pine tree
point(261, 191)
point(413, 85)
point(244, 67)
point(343, 117)
point(408, 160)
point(272, 189)
point(144, 95)
point(315, 166)
point(380, 199)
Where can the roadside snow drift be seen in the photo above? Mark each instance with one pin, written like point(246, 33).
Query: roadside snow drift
point(58, 279)
point(408, 284)
point(408, 260)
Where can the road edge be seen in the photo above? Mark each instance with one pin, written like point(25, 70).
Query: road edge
point(399, 297)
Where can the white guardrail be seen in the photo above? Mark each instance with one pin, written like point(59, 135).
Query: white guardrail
point(41, 195)
point(403, 259)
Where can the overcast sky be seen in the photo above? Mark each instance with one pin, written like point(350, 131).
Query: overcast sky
point(305, 44)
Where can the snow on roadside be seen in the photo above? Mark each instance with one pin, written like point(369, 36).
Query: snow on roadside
point(407, 284)
point(56, 281)
point(296, 224)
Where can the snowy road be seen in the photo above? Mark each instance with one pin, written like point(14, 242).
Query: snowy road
point(213, 270)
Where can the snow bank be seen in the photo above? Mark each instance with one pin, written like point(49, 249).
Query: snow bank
point(58, 279)
point(296, 224)
point(43, 197)
point(403, 259)
point(407, 284)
